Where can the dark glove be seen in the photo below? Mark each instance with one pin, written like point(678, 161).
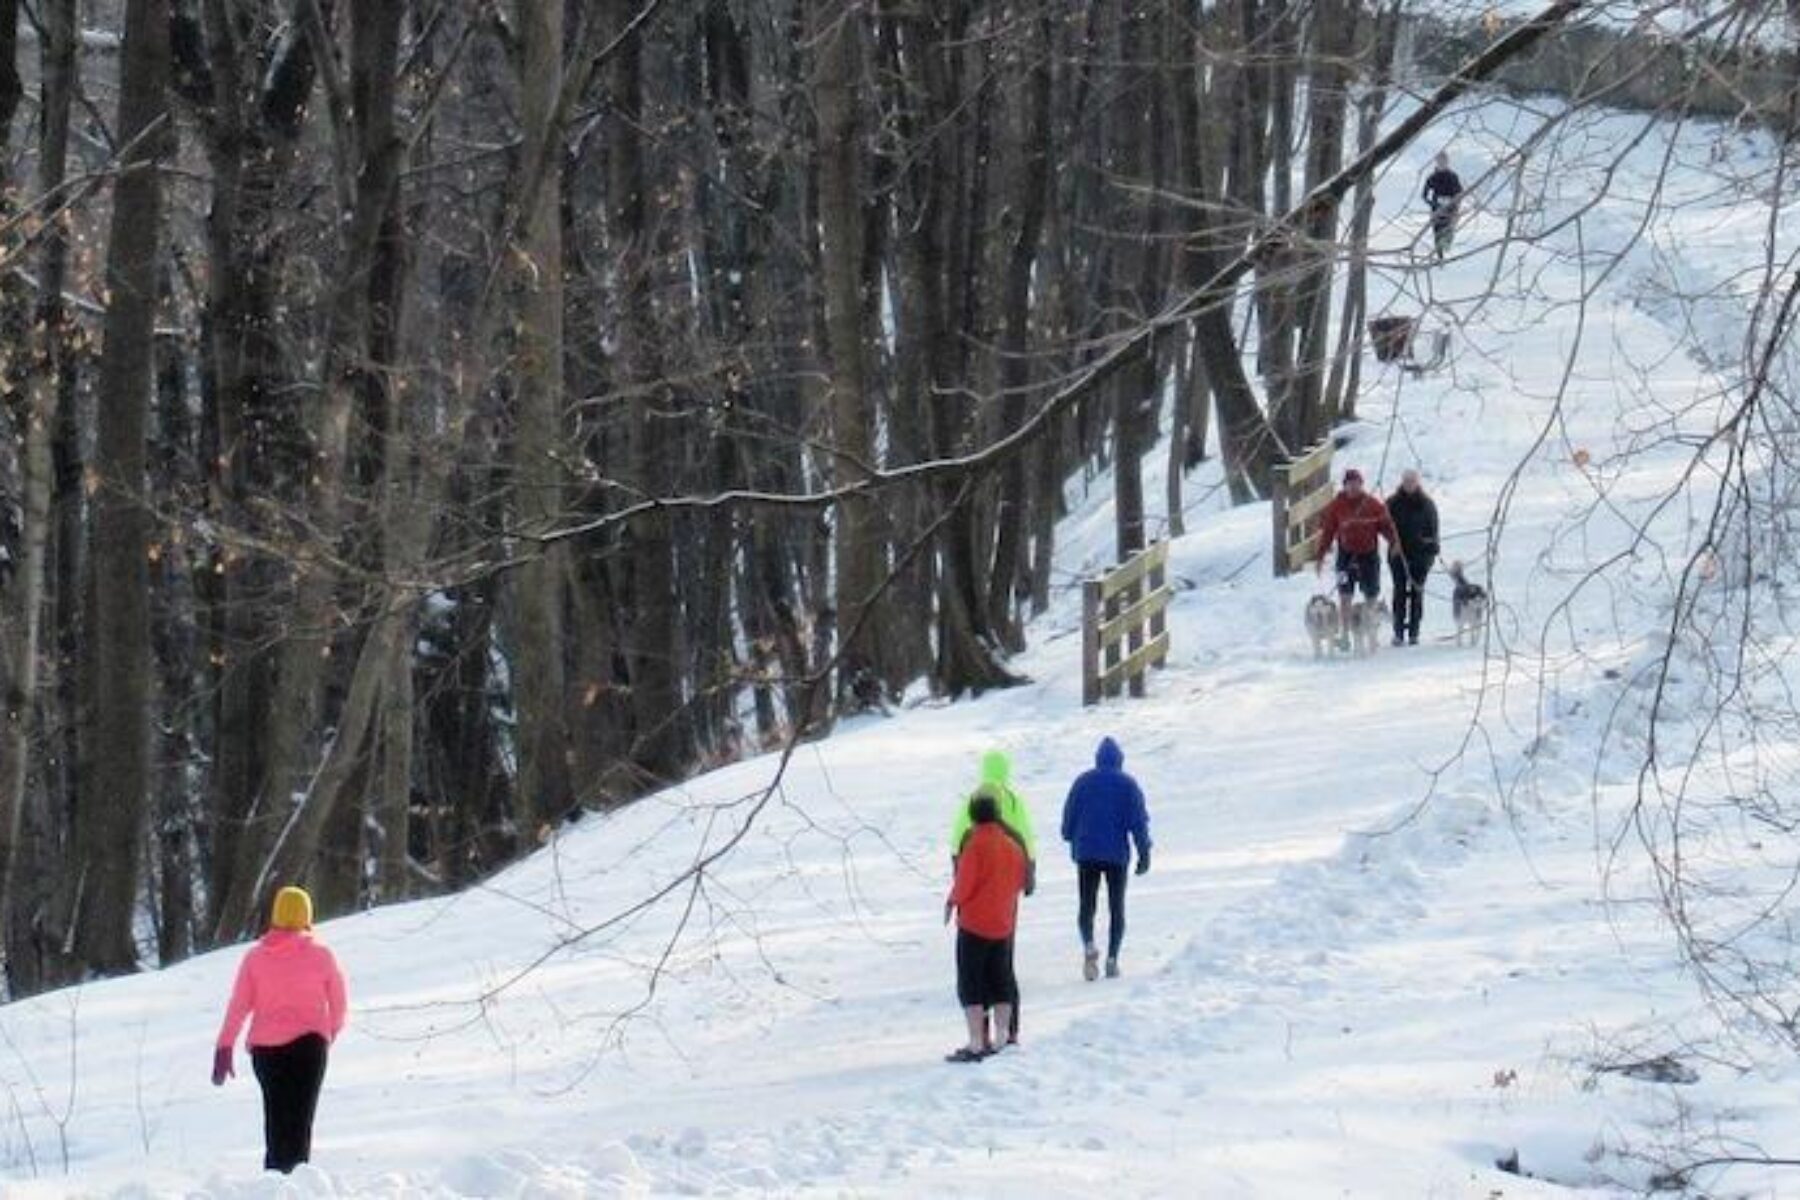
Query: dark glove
point(222, 1066)
point(1030, 877)
point(1143, 867)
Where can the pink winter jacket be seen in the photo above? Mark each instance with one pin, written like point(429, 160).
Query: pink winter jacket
point(288, 986)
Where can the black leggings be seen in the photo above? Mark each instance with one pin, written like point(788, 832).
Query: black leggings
point(1409, 595)
point(1091, 874)
point(291, 1076)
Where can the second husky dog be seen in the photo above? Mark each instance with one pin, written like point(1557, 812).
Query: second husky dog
point(1368, 619)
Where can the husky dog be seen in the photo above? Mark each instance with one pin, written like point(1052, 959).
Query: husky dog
point(1322, 624)
point(1368, 619)
point(1468, 606)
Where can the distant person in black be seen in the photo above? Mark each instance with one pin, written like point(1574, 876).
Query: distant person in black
point(1442, 192)
point(1415, 517)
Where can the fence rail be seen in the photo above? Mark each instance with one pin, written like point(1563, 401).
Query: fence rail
point(1302, 491)
point(1124, 625)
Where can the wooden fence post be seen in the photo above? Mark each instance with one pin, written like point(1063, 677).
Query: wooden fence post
point(1278, 498)
point(1159, 620)
point(1090, 642)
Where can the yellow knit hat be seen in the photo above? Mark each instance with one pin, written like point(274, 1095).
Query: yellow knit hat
point(293, 909)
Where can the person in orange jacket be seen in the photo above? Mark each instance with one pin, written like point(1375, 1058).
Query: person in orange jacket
point(1015, 819)
point(990, 875)
point(290, 989)
point(1356, 520)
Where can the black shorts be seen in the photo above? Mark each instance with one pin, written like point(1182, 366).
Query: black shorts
point(984, 970)
point(1359, 570)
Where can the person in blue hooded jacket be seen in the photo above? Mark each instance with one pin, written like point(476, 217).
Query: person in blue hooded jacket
point(1102, 817)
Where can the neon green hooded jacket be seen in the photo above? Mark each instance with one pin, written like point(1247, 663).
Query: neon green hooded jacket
point(996, 773)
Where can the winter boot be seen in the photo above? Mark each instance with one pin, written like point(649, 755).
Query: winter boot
point(1112, 968)
point(1090, 965)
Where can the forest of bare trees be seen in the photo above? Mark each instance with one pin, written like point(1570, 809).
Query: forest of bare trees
point(429, 419)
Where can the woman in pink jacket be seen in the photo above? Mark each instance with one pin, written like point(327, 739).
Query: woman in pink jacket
point(291, 991)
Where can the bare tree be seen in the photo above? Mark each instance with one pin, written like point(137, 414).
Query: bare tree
point(99, 897)
point(540, 592)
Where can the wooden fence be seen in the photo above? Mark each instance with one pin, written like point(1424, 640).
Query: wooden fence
point(1302, 490)
point(1117, 610)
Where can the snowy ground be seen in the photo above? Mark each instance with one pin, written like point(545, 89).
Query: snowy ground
point(1373, 958)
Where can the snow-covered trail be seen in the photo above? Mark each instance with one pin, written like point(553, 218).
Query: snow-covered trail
point(1351, 972)
point(796, 1044)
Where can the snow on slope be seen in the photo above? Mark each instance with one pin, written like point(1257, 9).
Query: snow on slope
point(1353, 971)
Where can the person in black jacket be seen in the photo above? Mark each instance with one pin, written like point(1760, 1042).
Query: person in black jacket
point(1443, 190)
point(1415, 517)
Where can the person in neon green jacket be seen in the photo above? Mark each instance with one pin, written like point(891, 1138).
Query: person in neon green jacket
point(996, 773)
point(1015, 818)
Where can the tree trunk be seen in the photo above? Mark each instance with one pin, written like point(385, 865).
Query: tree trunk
point(837, 30)
point(24, 593)
point(1178, 443)
point(1197, 398)
point(172, 637)
point(101, 893)
point(67, 550)
point(539, 602)
point(393, 814)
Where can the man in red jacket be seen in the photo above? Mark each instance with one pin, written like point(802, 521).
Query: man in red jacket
point(1356, 521)
point(990, 874)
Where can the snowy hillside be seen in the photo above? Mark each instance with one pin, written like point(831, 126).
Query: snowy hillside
point(1376, 954)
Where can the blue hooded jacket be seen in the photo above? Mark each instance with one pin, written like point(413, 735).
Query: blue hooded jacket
point(1106, 808)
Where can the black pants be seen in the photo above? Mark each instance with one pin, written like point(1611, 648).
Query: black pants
point(1409, 595)
point(290, 1076)
point(1443, 230)
point(1091, 873)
